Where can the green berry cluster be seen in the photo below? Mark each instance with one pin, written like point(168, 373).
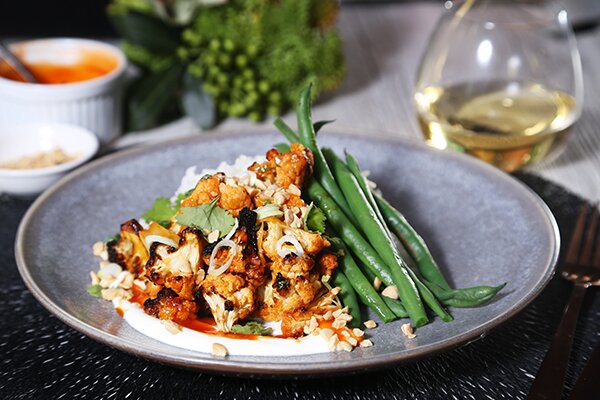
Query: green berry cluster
point(230, 75)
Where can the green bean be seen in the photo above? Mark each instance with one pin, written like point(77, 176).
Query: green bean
point(354, 167)
point(467, 297)
point(308, 139)
point(348, 232)
point(368, 295)
point(380, 241)
point(288, 132)
point(282, 147)
point(429, 298)
point(396, 307)
point(413, 242)
point(348, 297)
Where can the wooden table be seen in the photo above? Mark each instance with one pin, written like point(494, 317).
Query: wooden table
point(383, 45)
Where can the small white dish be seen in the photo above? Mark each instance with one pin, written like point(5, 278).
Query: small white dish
point(29, 139)
point(95, 104)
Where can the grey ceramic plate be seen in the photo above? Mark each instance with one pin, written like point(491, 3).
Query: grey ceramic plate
point(483, 226)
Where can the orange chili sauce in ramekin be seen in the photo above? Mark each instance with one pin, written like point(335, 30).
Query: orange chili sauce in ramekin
point(90, 64)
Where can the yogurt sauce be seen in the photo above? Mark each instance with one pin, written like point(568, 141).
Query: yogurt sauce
point(197, 341)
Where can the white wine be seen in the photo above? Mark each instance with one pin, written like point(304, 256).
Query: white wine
point(508, 124)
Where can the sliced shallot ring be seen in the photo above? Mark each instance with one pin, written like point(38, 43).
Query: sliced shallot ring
point(148, 240)
point(282, 252)
point(232, 252)
point(232, 231)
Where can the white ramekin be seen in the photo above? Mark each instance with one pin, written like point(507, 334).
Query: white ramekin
point(95, 104)
point(28, 139)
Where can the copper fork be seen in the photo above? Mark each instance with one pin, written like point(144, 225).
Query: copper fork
point(584, 272)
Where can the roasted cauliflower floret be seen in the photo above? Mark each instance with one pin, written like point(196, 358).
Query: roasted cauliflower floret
point(232, 198)
point(294, 285)
point(284, 169)
point(177, 268)
point(168, 305)
point(312, 243)
point(229, 299)
point(129, 250)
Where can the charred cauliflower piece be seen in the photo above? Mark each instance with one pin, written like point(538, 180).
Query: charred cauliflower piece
point(229, 299)
point(231, 295)
point(178, 268)
point(168, 305)
point(311, 242)
point(129, 251)
point(284, 169)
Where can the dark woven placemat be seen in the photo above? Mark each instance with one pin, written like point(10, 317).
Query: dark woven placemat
point(43, 358)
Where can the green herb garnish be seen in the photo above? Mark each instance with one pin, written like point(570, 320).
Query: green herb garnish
point(161, 212)
point(252, 328)
point(207, 218)
point(95, 290)
point(314, 219)
point(112, 238)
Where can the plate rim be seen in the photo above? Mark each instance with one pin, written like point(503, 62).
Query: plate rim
point(247, 368)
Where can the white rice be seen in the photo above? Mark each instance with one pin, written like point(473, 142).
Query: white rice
point(239, 168)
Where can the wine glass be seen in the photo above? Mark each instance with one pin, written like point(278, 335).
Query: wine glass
point(500, 80)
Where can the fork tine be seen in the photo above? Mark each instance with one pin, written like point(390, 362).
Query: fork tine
point(588, 247)
point(575, 242)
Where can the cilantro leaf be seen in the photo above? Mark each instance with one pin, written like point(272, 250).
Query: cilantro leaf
point(314, 219)
point(95, 290)
point(207, 218)
point(161, 212)
point(252, 328)
point(112, 238)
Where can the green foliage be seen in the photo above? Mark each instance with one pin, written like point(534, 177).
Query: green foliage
point(251, 57)
point(207, 218)
point(95, 290)
point(161, 212)
point(315, 219)
point(252, 328)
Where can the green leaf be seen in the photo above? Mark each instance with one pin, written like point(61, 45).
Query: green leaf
point(150, 97)
point(197, 103)
point(252, 328)
point(112, 238)
point(207, 218)
point(147, 31)
point(161, 212)
point(319, 124)
point(95, 290)
point(314, 219)
point(282, 147)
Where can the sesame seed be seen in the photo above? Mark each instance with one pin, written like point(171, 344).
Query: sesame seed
point(338, 323)
point(171, 327)
point(345, 346)
point(213, 236)
point(391, 292)
point(98, 248)
point(352, 341)
point(407, 329)
point(370, 324)
point(219, 350)
point(357, 332)
point(377, 283)
point(366, 343)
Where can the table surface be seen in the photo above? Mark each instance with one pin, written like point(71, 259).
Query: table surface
point(43, 358)
point(383, 44)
